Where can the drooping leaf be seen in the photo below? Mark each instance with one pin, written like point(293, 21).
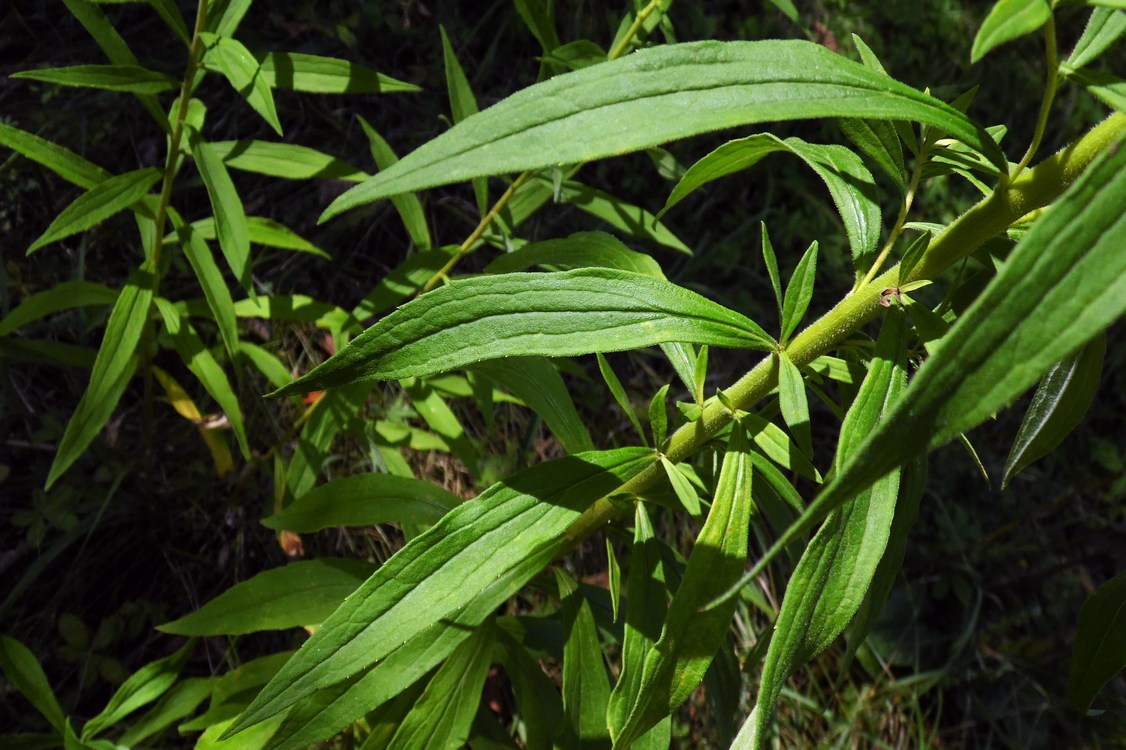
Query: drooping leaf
point(131, 78)
point(26, 675)
point(141, 688)
point(1059, 404)
point(643, 100)
point(60, 160)
point(285, 160)
point(231, 58)
point(315, 74)
point(211, 280)
point(364, 500)
point(1009, 20)
point(1100, 644)
point(689, 639)
point(112, 369)
point(98, 204)
point(507, 530)
point(407, 205)
point(65, 295)
point(226, 205)
point(301, 593)
point(549, 314)
point(586, 691)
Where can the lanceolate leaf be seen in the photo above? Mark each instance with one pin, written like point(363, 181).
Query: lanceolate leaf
point(214, 287)
point(1104, 28)
point(98, 204)
point(26, 675)
point(1062, 284)
point(230, 217)
point(408, 205)
point(1009, 20)
point(301, 593)
point(830, 581)
point(586, 691)
point(112, 370)
point(131, 78)
point(365, 500)
point(799, 291)
point(580, 250)
point(1057, 407)
point(644, 100)
point(60, 160)
point(677, 662)
point(520, 314)
point(1100, 645)
point(231, 58)
point(506, 534)
point(285, 160)
point(143, 687)
point(63, 296)
point(326, 75)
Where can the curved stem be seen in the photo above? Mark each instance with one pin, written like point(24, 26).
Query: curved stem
point(900, 220)
point(1049, 95)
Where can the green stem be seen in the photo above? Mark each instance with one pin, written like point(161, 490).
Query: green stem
point(1049, 96)
point(1034, 189)
point(908, 199)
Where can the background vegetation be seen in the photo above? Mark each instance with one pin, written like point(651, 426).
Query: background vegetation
point(973, 645)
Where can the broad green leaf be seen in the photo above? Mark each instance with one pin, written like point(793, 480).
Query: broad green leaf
point(646, 607)
point(1009, 20)
point(1103, 29)
point(1100, 644)
point(653, 97)
point(143, 687)
point(586, 691)
point(1059, 404)
point(285, 160)
point(204, 366)
point(799, 291)
point(226, 205)
point(364, 500)
point(623, 216)
point(771, 262)
point(65, 295)
point(849, 181)
point(407, 205)
point(507, 531)
point(112, 370)
point(231, 58)
point(833, 575)
point(25, 675)
point(580, 250)
point(793, 403)
point(441, 718)
point(214, 287)
point(689, 639)
point(300, 593)
point(325, 75)
point(181, 701)
point(130, 78)
point(60, 160)
point(263, 231)
point(619, 393)
point(98, 204)
point(535, 381)
point(1062, 284)
point(521, 314)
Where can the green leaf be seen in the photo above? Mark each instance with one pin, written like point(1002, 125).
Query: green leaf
point(645, 99)
point(226, 205)
point(914, 254)
point(538, 17)
point(771, 262)
point(799, 291)
point(143, 687)
point(214, 287)
point(231, 58)
point(130, 78)
point(172, 17)
point(331, 413)
point(541, 706)
point(263, 231)
point(683, 488)
point(536, 382)
point(403, 281)
point(181, 701)
point(586, 690)
point(1109, 89)
point(443, 422)
point(65, 295)
point(659, 416)
point(579, 250)
point(203, 365)
point(315, 74)
point(830, 581)
point(520, 314)
point(1009, 20)
point(364, 500)
point(407, 205)
point(442, 717)
point(878, 140)
point(112, 370)
point(776, 444)
point(1103, 29)
point(793, 402)
point(623, 216)
point(689, 639)
point(849, 181)
point(285, 160)
point(620, 396)
point(24, 673)
point(98, 204)
point(1100, 644)
point(224, 16)
point(298, 594)
point(1059, 404)
point(62, 161)
point(506, 531)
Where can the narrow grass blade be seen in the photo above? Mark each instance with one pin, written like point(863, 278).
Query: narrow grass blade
point(98, 204)
point(548, 314)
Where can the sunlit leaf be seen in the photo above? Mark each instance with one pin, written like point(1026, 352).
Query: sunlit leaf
point(131, 78)
point(1009, 20)
point(98, 204)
